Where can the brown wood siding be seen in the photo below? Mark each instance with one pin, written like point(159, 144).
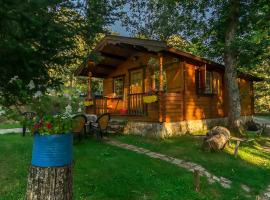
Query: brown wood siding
point(202, 106)
point(246, 97)
point(182, 101)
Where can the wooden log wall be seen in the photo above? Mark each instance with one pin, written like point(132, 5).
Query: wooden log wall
point(182, 101)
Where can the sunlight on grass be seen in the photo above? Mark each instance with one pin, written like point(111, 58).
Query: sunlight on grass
point(250, 155)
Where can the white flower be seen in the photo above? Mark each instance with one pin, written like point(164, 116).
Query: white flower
point(79, 110)
point(31, 85)
point(2, 111)
point(37, 94)
point(13, 79)
point(50, 91)
point(68, 111)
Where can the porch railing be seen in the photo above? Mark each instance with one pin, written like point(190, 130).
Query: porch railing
point(100, 105)
point(136, 106)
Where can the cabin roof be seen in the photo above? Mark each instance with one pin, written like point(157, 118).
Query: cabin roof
point(117, 49)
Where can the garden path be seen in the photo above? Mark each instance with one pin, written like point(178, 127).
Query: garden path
point(190, 166)
point(10, 130)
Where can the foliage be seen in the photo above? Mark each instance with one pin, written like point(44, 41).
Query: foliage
point(53, 110)
point(36, 37)
point(262, 88)
point(200, 26)
point(233, 32)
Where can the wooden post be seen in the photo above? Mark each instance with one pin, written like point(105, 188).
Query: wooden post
point(197, 180)
point(45, 183)
point(161, 94)
point(89, 96)
point(161, 72)
point(236, 148)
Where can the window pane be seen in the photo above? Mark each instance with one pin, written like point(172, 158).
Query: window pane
point(119, 86)
point(208, 83)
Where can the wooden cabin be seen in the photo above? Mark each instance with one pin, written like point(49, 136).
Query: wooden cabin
point(159, 90)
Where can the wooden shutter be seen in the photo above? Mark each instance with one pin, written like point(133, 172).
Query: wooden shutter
point(202, 78)
point(197, 81)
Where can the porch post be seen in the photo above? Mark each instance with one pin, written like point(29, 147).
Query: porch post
point(89, 96)
point(161, 93)
point(161, 72)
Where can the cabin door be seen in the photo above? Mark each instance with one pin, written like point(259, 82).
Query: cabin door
point(135, 100)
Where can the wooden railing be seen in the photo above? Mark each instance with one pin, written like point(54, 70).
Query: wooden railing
point(135, 103)
point(100, 105)
point(136, 106)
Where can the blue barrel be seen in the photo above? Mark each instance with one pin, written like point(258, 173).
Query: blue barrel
point(52, 150)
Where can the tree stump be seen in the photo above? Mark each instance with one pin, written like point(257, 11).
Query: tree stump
point(216, 138)
point(49, 183)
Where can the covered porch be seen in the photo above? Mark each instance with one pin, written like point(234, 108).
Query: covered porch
point(133, 87)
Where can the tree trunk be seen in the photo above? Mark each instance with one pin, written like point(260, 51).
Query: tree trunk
point(230, 56)
point(49, 183)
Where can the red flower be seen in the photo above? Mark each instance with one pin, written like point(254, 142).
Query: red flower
point(36, 126)
point(49, 126)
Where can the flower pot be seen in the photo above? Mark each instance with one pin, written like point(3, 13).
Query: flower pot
point(150, 99)
point(52, 150)
point(123, 111)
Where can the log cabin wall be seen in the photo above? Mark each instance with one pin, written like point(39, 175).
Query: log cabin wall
point(184, 102)
point(181, 100)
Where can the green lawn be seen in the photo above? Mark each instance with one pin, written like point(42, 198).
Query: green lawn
point(105, 172)
point(252, 167)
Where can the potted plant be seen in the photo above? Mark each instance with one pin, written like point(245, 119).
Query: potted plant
point(51, 129)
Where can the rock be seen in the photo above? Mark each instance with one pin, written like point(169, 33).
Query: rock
point(217, 130)
point(216, 138)
point(245, 188)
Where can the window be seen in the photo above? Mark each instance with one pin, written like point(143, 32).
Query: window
point(208, 83)
point(136, 81)
point(204, 81)
point(118, 86)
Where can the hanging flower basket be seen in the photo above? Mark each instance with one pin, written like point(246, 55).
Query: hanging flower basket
point(54, 150)
point(150, 99)
point(88, 103)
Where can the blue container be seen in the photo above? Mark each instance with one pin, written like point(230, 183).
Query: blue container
point(52, 150)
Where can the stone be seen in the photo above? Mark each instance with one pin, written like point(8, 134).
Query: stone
point(169, 129)
point(225, 185)
point(245, 188)
point(216, 139)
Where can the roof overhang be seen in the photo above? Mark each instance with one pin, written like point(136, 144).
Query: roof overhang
point(115, 50)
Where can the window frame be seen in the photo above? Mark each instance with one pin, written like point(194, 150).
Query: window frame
point(123, 85)
point(201, 89)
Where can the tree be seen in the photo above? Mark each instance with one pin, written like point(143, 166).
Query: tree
point(262, 88)
point(232, 32)
point(35, 38)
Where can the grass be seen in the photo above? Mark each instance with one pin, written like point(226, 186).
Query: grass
point(263, 115)
point(252, 167)
point(104, 172)
point(10, 125)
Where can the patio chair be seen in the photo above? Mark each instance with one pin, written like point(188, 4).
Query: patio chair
point(78, 126)
point(27, 116)
point(101, 125)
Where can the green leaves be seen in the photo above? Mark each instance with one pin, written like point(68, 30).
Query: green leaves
point(35, 36)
